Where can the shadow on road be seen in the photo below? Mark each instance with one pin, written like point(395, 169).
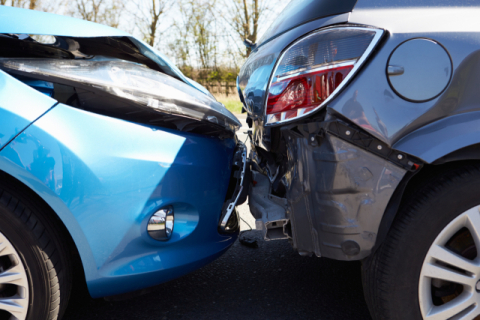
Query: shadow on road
point(270, 282)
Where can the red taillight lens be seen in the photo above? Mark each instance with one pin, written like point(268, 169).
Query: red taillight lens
point(314, 68)
point(294, 96)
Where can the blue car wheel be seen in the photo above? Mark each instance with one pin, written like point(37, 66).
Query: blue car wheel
point(35, 276)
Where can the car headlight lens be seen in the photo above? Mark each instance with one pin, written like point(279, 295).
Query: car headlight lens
point(160, 225)
point(315, 68)
point(133, 82)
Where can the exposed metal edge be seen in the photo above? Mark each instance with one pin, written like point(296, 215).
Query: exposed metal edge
point(376, 39)
point(231, 206)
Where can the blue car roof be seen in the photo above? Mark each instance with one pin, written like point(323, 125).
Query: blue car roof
point(23, 21)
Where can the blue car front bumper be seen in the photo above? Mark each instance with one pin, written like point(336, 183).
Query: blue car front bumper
point(105, 177)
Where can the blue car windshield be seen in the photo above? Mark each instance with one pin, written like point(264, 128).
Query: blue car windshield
point(298, 12)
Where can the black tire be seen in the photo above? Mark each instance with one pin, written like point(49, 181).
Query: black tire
point(29, 226)
point(391, 276)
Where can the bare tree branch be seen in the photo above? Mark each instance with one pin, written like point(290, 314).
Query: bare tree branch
point(244, 18)
point(99, 11)
point(148, 19)
point(200, 21)
point(27, 4)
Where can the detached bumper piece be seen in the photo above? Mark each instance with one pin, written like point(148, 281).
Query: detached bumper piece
point(338, 183)
point(268, 209)
point(237, 192)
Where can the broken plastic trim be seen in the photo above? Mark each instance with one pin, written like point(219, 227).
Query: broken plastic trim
point(145, 88)
point(268, 210)
point(367, 142)
point(238, 177)
point(338, 184)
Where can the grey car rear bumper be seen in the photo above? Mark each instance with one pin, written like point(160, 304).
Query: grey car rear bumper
point(337, 192)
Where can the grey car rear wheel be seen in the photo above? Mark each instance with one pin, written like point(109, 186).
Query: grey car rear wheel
point(452, 266)
point(429, 265)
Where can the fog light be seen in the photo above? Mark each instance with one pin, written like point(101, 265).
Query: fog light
point(160, 225)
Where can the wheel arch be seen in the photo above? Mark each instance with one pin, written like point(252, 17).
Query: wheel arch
point(444, 144)
point(453, 138)
point(24, 183)
point(414, 181)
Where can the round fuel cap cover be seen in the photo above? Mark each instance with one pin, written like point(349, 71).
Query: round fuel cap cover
point(419, 69)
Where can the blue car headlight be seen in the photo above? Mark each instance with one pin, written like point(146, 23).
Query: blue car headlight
point(137, 87)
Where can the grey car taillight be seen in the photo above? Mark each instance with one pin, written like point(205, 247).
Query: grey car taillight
point(315, 68)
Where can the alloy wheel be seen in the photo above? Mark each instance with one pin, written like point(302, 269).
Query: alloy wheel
point(14, 291)
point(449, 284)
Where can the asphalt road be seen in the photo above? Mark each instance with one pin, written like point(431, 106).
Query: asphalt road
point(268, 282)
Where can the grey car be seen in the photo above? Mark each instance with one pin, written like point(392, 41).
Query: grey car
point(365, 135)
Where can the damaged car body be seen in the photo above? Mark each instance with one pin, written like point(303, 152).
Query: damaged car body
point(359, 109)
point(114, 167)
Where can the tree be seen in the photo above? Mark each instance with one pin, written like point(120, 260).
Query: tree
point(148, 19)
point(107, 12)
point(245, 17)
point(30, 4)
point(200, 24)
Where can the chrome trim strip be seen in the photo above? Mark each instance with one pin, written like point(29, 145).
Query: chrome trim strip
point(376, 38)
point(231, 206)
point(395, 70)
point(323, 67)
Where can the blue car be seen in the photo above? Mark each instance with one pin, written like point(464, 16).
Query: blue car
point(114, 166)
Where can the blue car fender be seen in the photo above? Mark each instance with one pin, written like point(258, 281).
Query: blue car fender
point(20, 105)
point(105, 178)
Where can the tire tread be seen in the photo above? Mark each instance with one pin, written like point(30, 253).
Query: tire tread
point(378, 274)
point(49, 240)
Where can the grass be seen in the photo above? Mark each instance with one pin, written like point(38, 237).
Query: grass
point(231, 102)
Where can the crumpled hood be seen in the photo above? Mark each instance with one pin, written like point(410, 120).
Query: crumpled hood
point(23, 21)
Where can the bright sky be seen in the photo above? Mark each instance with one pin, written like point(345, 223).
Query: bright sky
point(226, 37)
point(127, 24)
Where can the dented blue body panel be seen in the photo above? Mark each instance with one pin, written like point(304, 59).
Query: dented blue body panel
point(105, 177)
point(20, 105)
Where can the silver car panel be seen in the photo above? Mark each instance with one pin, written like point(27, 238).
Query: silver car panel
point(337, 192)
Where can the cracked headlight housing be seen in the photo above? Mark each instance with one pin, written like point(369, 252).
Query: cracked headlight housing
point(139, 88)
